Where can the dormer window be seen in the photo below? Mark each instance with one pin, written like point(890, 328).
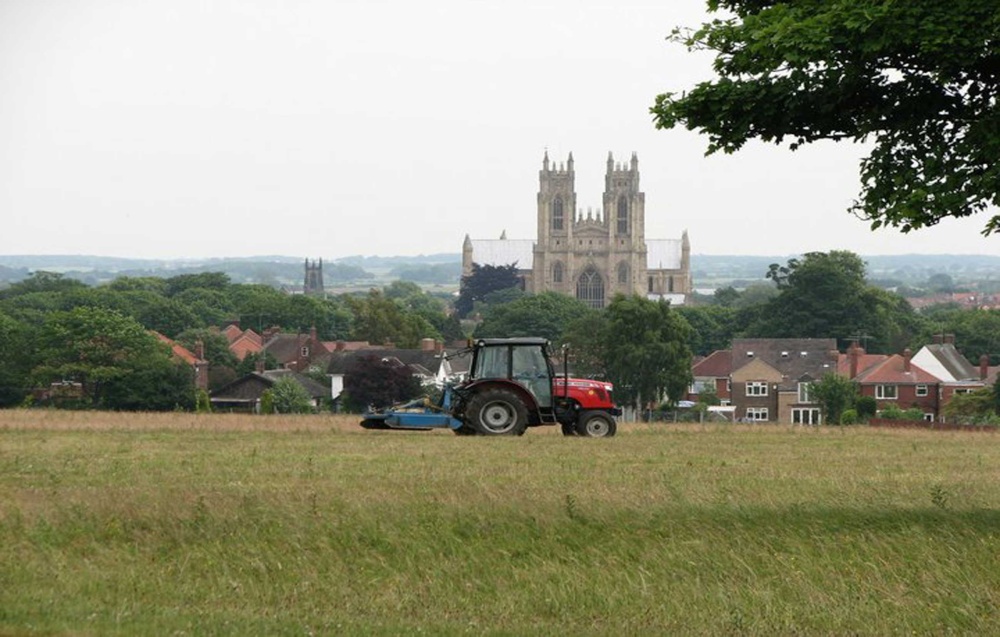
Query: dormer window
point(784, 354)
point(749, 354)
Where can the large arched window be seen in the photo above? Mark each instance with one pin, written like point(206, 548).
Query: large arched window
point(557, 272)
point(622, 215)
point(558, 216)
point(590, 288)
point(623, 273)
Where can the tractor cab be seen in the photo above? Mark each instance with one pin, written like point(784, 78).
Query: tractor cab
point(523, 361)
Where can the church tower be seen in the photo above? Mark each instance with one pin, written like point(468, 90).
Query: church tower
point(313, 283)
point(625, 211)
point(556, 206)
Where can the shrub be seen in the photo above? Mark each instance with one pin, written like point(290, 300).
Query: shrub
point(849, 417)
point(866, 406)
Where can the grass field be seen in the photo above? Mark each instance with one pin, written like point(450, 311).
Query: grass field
point(197, 525)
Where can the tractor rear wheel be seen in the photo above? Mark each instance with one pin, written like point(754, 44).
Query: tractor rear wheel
point(596, 424)
point(497, 412)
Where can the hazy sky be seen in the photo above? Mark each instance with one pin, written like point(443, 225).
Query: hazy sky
point(195, 128)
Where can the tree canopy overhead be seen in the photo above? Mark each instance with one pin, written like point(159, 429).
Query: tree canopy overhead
point(920, 79)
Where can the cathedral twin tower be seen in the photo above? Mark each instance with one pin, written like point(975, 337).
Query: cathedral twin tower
point(596, 256)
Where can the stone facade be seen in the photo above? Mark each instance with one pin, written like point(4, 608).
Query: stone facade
point(591, 256)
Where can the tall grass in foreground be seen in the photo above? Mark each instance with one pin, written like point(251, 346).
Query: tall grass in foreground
point(193, 529)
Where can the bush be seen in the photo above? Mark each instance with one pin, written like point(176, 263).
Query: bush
point(892, 412)
point(866, 406)
point(849, 417)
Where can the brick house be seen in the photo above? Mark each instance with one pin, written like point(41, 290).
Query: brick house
point(713, 372)
point(771, 377)
point(195, 360)
point(897, 381)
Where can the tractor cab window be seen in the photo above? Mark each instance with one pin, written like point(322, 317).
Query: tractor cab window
point(531, 369)
point(491, 362)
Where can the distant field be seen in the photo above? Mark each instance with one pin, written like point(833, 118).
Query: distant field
point(188, 524)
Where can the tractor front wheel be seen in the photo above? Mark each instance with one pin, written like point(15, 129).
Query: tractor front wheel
point(497, 412)
point(596, 424)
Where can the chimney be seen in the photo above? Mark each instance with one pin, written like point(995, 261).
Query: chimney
point(199, 349)
point(853, 355)
point(340, 346)
point(906, 359)
point(259, 365)
point(312, 335)
point(949, 339)
point(439, 347)
point(984, 367)
point(427, 345)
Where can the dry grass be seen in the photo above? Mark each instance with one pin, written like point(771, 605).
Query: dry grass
point(175, 523)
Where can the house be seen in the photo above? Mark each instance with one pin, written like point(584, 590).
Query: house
point(772, 377)
point(244, 394)
point(713, 373)
point(297, 352)
point(242, 343)
point(957, 375)
point(897, 381)
point(196, 360)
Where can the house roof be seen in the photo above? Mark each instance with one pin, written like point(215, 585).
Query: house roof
point(865, 361)
point(944, 361)
point(718, 364)
point(178, 350)
point(315, 389)
point(893, 371)
point(795, 358)
point(254, 384)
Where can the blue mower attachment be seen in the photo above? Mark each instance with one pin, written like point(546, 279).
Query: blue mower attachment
point(418, 415)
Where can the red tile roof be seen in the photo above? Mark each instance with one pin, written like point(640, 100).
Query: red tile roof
point(718, 364)
point(892, 370)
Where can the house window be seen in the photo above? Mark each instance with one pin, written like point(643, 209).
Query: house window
point(929, 417)
point(305, 352)
point(650, 288)
point(921, 390)
point(885, 392)
point(557, 272)
point(805, 416)
point(557, 213)
point(756, 413)
point(757, 388)
point(804, 390)
point(963, 391)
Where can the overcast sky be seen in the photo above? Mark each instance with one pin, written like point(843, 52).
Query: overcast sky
point(329, 128)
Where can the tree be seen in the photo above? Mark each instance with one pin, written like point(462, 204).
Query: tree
point(15, 352)
point(289, 397)
point(825, 295)
point(483, 280)
point(371, 381)
point(713, 327)
point(119, 363)
point(835, 394)
point(645, 348)
point(380, 320)
point(546, 315)
point(919, 81)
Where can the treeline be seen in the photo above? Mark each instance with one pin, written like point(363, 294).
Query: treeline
point(54, 329)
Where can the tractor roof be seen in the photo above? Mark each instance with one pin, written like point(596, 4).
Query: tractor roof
point(517, 340)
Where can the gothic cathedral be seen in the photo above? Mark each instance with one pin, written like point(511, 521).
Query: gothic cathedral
point(596, 256)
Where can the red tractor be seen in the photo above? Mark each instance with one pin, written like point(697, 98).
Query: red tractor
point(511, 386)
